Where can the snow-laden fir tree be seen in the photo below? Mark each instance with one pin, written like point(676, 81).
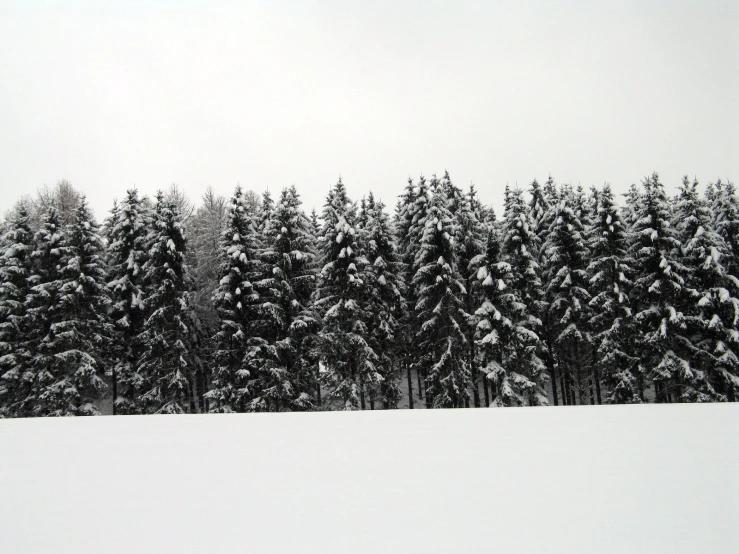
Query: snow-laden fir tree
point(441, 343)
point(507, 348)
point(266, 209)
point(279, 359)
point(127, 235)
point(712, 309)
point(611, 321)
point(15, 268)
point(520, 247)
point(238, 300)
point(726, 214)
point(567, 297)
point(344, 340)
point(658, 294)
point(163, 375)
point(43, 310)
point(403, 222)
point(384, 296)
point(469, 241)
point(76, 345)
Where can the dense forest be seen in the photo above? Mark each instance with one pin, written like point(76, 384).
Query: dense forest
point(249, 303)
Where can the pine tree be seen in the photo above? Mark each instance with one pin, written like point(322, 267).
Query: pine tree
point(385, 300)
point(712, 308)
point(658, 293)
point(726, 207)
point(611, 321)
point(343, 342)
point(15, 268)
point(279, 358)
point(507, 347)
point(567, 295)
point(266, 209)
point(164, 373)
point(237, 299)
point(43, 311)
point(406, 252)
point(127, 254)
point(440, 341)
point(520, 247)
point(75, 346)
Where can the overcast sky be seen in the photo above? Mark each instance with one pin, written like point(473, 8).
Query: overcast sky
point(268, 94)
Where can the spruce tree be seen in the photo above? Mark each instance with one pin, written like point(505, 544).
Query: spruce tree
point(164, 373)
point(658, 294)
point(237, 299)
point(127, 254)
point(343, 342)
point(441, 343)
point(279, 358)
point(384, 297)
point(712, 308)
point(567, 295)
point(43, 311)
point(15, 269)
point(507, 348)
point(726, 208)
point(611, 323)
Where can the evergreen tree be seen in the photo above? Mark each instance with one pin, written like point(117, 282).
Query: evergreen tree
point(237, 299)
point(127, 254)
point(164, 373)
point(385, 300)
point(266, 209)
point(507, 347)
point(712, 308)
point(15, 269)
point(726, 208)
point(279, 358)
point(611, 321)
point(343, 342)
point(43, 311)
point(567, 295)
point(440, 340)
point(658, 294)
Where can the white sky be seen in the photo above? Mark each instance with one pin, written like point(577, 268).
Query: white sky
point(273, 93)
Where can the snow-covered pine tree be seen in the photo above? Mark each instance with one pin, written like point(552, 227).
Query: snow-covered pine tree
point(507, 348)
point(384, 296)
point(726, 214)
point(406, 252)
point(567, 297)
point(279, 358)
point(127, 253)
point(422, 198)
point(343, 342)
point(658, 293)
point(520, 247)
point(712, 309)
point(15, 268)
point(469, 240)
point(266, 209)
point(611, 321)
point(237, 300)
point(441, 349)
point(75, 346)
point(164, 373)
point(42, 313)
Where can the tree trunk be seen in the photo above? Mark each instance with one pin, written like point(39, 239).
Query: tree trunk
point(552, 376)
point(485, 390)
point(318, 384)
point(420, 386)
point(563, 383)
point(410, 386)
point(115, 389)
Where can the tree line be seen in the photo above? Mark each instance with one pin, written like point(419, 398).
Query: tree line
point(249, 303)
